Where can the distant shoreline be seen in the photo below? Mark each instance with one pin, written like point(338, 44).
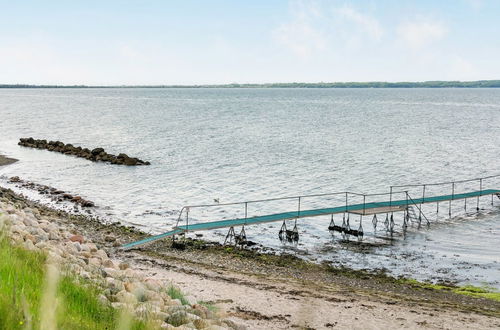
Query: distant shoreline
point(374, 84)
point(6, 160)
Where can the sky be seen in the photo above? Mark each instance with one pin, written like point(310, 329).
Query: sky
point(255, 41)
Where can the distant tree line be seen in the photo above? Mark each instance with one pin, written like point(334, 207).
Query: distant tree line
point(375, 84)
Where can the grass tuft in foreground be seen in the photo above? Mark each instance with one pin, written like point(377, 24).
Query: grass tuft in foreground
point(176, 293)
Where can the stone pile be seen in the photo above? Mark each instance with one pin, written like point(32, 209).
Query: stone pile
point(95, 155)
point(56, 194)
point(122, 287)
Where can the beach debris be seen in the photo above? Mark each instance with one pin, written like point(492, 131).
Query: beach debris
point(95, 155)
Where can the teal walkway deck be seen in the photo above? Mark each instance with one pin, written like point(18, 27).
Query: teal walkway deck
point(354, 208)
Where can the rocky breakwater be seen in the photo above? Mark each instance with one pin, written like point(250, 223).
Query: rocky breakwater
point(122, 287)
point(56, 194)
point(95, 155)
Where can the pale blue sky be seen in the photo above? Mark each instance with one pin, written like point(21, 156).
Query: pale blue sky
point(201, 42)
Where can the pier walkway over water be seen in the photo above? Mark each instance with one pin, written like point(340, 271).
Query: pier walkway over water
point(403, 203)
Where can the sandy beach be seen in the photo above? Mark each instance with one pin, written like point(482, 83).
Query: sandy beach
point(259, 291)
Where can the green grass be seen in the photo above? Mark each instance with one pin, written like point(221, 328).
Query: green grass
point(22, 278)
point(176, 293)
point(468, 290)
point(209, 306)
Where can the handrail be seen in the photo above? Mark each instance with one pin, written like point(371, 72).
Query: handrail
point(347, 193)
point(291, 197)
point(447, 182)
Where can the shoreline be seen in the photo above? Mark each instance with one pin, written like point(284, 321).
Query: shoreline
point(6, 160)
point(279, 291)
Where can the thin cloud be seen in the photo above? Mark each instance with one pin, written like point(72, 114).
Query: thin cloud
point(368, 24)
point(301, 34)
point(421, 33)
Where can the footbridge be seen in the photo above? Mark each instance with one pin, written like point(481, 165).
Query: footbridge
point(400, 198)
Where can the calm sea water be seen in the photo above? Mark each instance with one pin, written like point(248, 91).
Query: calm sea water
point(244, 144)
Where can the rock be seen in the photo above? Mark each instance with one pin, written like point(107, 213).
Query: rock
point(92, 247)
point(102, 254)
point(95, 261)
point(29, 237)
point(114, 284)
point(97, 151)
point(77, 238)
point(152, 284)
point(130, 161)
point(86, 203)
point(103, 300)
point(84, 247)
point(67, 196)
point(178, 318)
point(124, 265)
point(137, 289)
point(118, 305)
point(233, 325)
point(126, 297)
point(108, 263)
point(201, 324)
point(200, 310)
point(110, 272)
point(109, 238)
point(28, 245)
point(14, 179)
point(77, 246)
point(54, 236)
point(191, 300)
point(30, 222)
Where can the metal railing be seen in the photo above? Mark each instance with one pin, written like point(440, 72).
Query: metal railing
point(300, 198)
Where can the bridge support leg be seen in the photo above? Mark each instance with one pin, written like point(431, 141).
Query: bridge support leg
point(374, 221)
point(360, 228)
point(282, 232)
point(230, 237)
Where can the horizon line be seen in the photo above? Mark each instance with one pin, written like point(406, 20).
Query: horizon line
point(347, 84)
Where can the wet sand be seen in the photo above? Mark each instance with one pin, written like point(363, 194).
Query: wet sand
point(6, 160)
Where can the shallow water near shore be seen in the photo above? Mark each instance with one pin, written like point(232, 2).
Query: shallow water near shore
point(245, 144)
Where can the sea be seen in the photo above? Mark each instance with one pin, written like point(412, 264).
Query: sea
point(212, 146)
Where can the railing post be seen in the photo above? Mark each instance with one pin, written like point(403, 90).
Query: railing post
point(187, 219)
point(346, 205)
point(452, 196)
point(480, 191)
point(390, 199)
point(423, 198)
point(364, 203)
point(390, 202)
point(246, 212)
point(298, 213)
point(407, 215)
